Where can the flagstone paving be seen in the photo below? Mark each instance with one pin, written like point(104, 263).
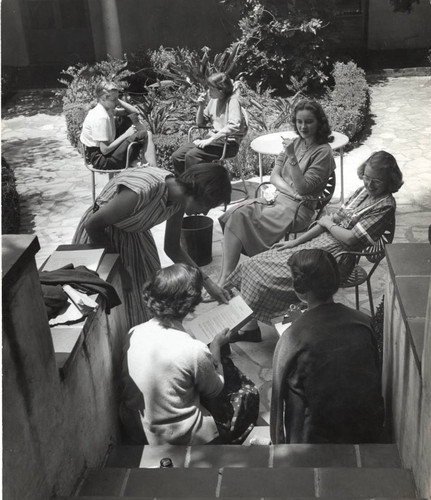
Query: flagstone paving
point(55, 186)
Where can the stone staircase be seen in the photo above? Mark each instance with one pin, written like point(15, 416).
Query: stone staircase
point(266, 472)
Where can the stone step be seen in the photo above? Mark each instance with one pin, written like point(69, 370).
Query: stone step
point(283, 455)
point(104, 497)
point(305, 482)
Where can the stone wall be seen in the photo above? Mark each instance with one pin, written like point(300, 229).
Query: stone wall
point(407, 357)
point(53, 426)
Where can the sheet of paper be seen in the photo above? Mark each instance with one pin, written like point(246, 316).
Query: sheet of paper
point(204, 326)
point(89, 258)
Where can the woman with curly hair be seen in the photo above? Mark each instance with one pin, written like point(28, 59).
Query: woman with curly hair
point(301, 170)
point(224, 118)
point(172, 370)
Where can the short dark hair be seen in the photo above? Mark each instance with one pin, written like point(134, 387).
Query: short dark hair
point(315, 270)
point(173, 292)
point(207, 183)
point(381, 160)
point(323, 135)
point(221, 82)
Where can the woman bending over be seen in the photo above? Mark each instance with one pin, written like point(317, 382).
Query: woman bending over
point(302, 170)
point(136, 200)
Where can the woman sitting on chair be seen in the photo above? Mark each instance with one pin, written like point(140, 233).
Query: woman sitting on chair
point(301, 170)
point(265, 280)
point(326, 376)
point(136, 200)
point(223, 114)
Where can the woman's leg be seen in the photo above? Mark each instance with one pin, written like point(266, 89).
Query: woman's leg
point(178, 158)
point(232, 248)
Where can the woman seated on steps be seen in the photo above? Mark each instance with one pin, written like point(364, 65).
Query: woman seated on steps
point(168, 376)
point(265, 281)
point(301, 170)
point(326, 385)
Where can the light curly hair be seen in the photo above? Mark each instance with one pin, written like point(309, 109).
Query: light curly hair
point(173, 292)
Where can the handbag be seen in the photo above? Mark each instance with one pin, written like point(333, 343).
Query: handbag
point(236, 409)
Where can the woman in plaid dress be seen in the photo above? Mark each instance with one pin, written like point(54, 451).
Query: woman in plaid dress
point(265, 280)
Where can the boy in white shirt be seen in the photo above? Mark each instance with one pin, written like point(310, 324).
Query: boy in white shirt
point(105, 144)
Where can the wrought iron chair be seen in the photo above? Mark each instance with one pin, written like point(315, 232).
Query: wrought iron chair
point(237, 164)
point(111, 173)
point(321, 201)
point(374, 254)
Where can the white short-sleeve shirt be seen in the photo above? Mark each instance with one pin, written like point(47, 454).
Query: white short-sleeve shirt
point(98, 126)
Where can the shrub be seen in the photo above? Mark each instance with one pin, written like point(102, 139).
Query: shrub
point(284, 39)
point(79, 95)
point(166, 144)
point(347, 104)
point(10, 210)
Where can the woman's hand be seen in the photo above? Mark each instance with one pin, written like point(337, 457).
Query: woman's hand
point(325, 221)
point(201, 143)
point(284, 245)
point(202, 97)
point(216, 291)
point(288, 145)
point(223, 337)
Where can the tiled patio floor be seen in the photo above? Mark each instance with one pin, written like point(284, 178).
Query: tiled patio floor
point(55, 186)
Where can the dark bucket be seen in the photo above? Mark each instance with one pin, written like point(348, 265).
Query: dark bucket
point(197, 238)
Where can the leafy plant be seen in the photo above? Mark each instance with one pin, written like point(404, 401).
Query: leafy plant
point(347, 104)
point(166, 145)
point(190, 68)
point(10, 210)
point(284, 39)
point(79, 96)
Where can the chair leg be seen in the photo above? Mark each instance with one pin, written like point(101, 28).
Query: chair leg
point(357, 296)
point(244, 188)
point(370, 298)
point(93, 186)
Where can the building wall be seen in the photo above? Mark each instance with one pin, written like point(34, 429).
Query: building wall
point(147, 24)
point(13, 42)
point(53, 426)
point(388, 30)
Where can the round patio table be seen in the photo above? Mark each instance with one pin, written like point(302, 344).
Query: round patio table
point(272, 144)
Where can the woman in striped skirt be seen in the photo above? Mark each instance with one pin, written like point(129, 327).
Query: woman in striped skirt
point(136, 200)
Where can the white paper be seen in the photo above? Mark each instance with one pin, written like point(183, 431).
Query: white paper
point(205, 326)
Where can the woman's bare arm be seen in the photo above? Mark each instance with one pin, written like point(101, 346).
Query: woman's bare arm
point(120, 207)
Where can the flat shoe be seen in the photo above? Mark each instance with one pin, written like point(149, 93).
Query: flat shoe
point(247, 336)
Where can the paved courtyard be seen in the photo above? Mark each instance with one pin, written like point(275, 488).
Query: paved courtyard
point(55, 186)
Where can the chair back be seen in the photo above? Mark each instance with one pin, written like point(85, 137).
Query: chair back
point(375, 253)
point(327, 193)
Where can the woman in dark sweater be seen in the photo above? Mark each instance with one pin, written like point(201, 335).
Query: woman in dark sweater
point(326, 374)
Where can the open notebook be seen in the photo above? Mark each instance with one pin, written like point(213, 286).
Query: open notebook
point(204, 325)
